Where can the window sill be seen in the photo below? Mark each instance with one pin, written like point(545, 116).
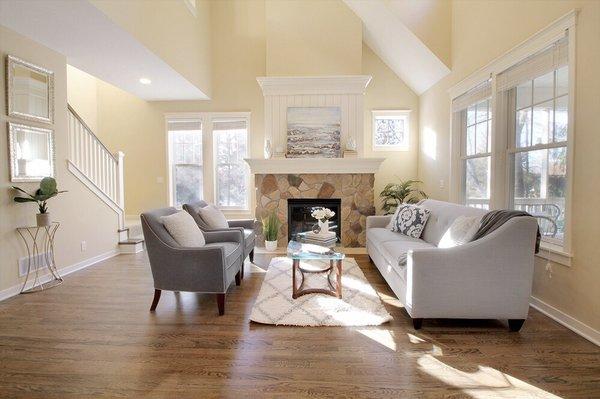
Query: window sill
point(554, 253)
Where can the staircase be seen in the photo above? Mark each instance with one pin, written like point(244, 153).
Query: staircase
point(102, 172)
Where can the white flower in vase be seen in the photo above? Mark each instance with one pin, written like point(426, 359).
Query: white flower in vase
point(323, 215)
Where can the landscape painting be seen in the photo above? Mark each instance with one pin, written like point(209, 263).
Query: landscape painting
point(314, 132)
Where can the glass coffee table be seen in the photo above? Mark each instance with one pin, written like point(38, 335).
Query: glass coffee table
point(299, 252)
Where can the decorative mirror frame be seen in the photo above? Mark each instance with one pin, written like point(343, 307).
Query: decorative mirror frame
point(12, 150)
point(11, 62)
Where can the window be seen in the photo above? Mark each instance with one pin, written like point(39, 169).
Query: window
point(230, 137)
point(473, 115)
point(390, 130)
point(523, 159)
point(538, 115)
point(185, 160)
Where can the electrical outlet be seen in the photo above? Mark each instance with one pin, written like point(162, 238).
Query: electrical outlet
point(160, 180)
point(442, 184)
point(549, 269)
point(83, 246)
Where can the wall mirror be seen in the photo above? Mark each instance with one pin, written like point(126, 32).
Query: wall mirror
point(31, 153)
point(30, 91)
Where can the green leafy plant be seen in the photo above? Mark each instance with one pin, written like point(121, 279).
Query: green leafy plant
point(402, 192)
point(46, 191)
point(271, 225)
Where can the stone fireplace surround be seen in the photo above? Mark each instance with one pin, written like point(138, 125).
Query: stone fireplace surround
point(355, 190)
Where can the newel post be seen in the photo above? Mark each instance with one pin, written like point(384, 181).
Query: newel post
point(120, 179)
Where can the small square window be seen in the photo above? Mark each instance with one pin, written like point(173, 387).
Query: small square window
point(391, 130)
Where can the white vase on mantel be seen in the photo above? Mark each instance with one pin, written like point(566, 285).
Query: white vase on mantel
point(268, 150)
point(324, 226)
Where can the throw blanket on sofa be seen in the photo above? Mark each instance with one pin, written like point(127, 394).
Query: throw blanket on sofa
point(494, 219)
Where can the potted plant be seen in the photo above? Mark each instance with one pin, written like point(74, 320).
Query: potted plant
point(46, 191)
point(405, 191)
point(323, 215)
point(271, 226)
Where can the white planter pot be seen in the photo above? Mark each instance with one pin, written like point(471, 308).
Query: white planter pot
point(43, 219)
point(270, 246)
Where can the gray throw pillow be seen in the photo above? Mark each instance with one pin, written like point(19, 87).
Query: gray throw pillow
point(213, 217)
point(184, 230)
point(409, 220)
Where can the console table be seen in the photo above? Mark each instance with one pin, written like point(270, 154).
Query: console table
point(39, 242)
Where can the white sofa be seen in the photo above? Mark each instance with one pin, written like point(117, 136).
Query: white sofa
point(489, 278)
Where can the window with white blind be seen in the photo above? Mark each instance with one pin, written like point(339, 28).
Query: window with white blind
point(520, 157)
point(185, 160)
point(230, 137)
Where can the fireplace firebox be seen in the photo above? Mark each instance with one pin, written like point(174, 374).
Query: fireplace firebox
point(300, 220)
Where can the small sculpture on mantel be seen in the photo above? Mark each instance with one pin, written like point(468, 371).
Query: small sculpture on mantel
point(268, 150)
point(350, 151)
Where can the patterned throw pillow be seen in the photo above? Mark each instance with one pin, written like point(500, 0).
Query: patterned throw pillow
point(409, 220)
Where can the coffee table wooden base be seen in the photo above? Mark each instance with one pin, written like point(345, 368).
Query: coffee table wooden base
point(335, 290)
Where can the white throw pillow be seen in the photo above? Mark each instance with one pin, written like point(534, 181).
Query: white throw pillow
point(460, 231)
point(183, 228)
point(213, 217)
point(409, 220)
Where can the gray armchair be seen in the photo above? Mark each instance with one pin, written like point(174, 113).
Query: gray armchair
point(246, 226)
point(208, 269)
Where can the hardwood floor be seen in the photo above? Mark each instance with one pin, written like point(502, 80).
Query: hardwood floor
point(94, 336)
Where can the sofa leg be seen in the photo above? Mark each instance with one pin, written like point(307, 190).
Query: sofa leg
point(515, 325)
point(370, 260)
point(238, 278)
point(155, 300)
point(417, 323)
point(221, 304)
point(251, 255)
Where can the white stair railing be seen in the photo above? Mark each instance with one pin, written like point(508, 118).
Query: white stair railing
point(95, 165)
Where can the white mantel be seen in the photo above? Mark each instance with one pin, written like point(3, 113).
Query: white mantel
point(344, 91)
point(314, 165)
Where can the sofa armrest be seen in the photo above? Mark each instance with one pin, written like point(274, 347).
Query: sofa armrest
point(244, 223)
point(487, 278)
point(225, 235)
point(378, 221)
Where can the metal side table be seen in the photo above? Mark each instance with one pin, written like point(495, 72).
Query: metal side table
point(39, 242)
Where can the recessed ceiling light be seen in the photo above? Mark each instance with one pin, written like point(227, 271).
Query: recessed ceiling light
point(145, 81)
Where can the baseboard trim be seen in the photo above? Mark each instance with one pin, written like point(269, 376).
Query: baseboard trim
point(564, 319)
point(15, 289)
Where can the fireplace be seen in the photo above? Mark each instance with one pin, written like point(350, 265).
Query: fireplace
point(299, 214)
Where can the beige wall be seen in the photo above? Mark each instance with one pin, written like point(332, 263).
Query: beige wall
point(387, 91)
point(82, 216)
point(430, 21)
point(312, 37)
point(483, 30)
point(82, 94)
point(169, 29)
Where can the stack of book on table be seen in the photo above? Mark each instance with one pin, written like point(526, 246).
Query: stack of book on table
point(325, 239)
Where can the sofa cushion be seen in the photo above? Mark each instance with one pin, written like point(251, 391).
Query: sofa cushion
point(409, 220)
point(460, 231)
point(184, 230)
point(379, 235)
point(213, 217)
point(232, 251)
point(396, 251)
point(442, 216)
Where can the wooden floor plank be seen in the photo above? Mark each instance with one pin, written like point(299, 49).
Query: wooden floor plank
point(94, 336)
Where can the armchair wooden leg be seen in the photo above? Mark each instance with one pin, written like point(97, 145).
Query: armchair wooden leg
point(242, 270)
point(417, 323)
point(251, 255)
point(221, 304)
point(238, 277)
point(155, 300)
point(515, 325)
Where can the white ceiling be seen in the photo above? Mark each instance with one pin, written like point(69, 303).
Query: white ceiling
point(95, 44)
point(397, 46)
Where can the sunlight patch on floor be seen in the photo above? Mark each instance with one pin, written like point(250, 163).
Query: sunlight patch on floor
point(382, 337)
point(485, 383)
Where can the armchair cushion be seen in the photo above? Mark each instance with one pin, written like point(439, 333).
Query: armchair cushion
point(184, 230)
point(213, 217)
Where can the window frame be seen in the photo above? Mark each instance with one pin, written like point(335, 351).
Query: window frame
point(392, 114)
point(501, 179)
point(208, 161)
point(232, 115)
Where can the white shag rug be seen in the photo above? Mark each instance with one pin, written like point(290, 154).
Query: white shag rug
point(360, 305)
